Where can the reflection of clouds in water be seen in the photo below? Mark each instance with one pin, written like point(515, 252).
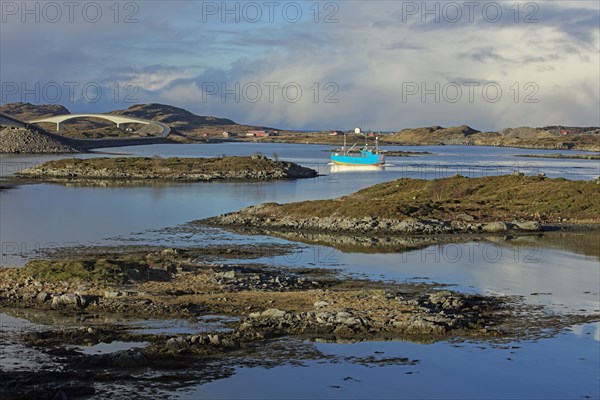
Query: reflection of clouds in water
point(543, 275)
point(556, 278)
point(582, 330)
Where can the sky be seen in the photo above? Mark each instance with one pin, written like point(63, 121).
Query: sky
point(382, 65)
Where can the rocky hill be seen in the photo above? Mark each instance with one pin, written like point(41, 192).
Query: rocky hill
point(186, 126)
point(550, 137)
point(28, 111)
point(433, 135)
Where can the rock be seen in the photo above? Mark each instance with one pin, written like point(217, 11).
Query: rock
point(227, 275)
point(66, 300)
point(129, 359)
point(439, 297)
point(529, 225)
point(465, 217)
point(43, 297)
point(215, 339)
point(494, 227)
point(110, 294)
point(197, 339)
point(273, 313)
point(320, 304)
point(176, 343)
point(446, 300)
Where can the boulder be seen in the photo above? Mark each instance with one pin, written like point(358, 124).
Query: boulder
point(529, 225)
point(43, 297)
point(494, 227)
point(465, 217)
point(66, 300)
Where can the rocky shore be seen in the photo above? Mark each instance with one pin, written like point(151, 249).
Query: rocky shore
point(256, 167)
point(511, 203)
point(20, 140)
point(257, 304)
point(565, 156)
point(369, 225)
point(266, 301)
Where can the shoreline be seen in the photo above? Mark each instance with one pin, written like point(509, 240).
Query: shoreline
point(251, 306)
point(495, 204)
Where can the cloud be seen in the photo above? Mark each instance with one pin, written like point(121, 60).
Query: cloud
point(354, 71)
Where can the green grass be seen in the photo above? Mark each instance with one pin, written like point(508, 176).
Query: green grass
point(117, 271)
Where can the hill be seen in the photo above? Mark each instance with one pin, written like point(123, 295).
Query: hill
point(550, 137)
point(28, 111)
point(186, 125)
point(449, 205)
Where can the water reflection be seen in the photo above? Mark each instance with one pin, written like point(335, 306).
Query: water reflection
point(560, 368)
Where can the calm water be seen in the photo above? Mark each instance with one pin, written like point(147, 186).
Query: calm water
point(562, 273)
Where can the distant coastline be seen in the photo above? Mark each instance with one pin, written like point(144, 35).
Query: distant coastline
point(85, 134)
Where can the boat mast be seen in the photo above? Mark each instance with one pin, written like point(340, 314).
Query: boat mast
point(344, 148)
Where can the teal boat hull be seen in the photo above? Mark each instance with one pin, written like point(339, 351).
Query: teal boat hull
point(364, 158)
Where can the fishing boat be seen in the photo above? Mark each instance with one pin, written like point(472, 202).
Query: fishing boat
point(365, 157)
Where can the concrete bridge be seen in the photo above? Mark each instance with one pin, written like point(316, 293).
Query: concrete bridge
point(117, 119)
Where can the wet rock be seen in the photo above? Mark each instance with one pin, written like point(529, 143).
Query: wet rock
point(43, 297)
point(176, 343)
point(418, 325)
point(446, 300)
point(494, 227)
point(129, 359)
point(215, 340)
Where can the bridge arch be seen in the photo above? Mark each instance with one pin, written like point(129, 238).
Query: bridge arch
point(117, 119)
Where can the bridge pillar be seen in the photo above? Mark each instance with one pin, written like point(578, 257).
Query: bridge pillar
point(59, 126)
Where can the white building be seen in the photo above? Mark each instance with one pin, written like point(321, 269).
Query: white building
point(357, 130)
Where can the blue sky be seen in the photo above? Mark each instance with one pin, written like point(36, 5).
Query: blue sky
point(382, 65)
